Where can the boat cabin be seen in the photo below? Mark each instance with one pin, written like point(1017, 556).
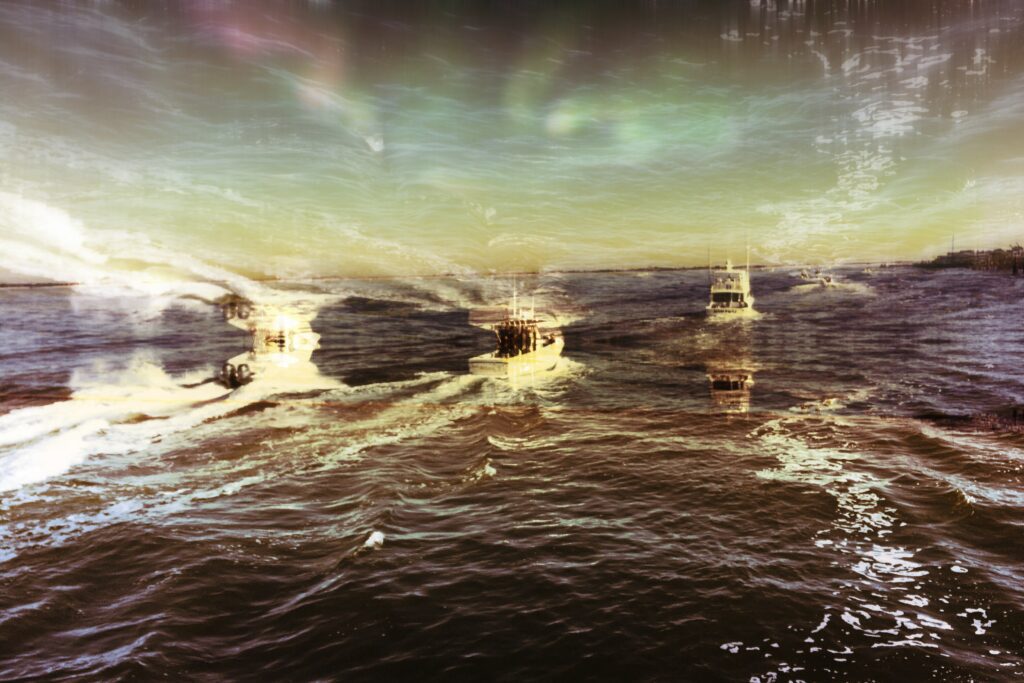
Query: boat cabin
point(516, 336)
point(730, 291)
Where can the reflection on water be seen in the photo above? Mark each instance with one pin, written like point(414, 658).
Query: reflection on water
point(885, 595)
point(730, 387)
point(282, 342)
point(730, 365)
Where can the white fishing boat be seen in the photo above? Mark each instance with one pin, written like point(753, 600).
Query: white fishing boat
point(525, 347)
point(730, 293)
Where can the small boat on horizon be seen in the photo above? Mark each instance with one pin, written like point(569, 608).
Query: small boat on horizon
point(817, 277)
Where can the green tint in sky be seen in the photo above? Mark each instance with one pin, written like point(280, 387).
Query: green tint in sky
point(291, 139)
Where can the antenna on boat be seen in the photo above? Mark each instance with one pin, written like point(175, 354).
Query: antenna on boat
point(515, 298)
point(748, 252)
point(533, 307)
point(709, 265)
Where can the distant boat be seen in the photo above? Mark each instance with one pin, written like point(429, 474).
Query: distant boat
point(730, 293)
point(823, 279)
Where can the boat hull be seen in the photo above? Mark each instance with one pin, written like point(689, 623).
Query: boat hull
point(723, 313)
point(544, 360)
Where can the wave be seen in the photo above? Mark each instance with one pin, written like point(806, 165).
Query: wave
point(890, 595)
point(837, 286)
point(45, 441)
point(122, 412)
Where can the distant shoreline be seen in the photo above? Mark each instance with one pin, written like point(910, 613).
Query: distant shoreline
point(1003, 260)
point(580, 271)
point(15, 285)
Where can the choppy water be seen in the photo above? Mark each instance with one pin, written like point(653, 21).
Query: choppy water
point(396, 516)
point(380, 512)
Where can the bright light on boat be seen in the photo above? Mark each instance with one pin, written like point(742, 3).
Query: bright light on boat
point(285, 322)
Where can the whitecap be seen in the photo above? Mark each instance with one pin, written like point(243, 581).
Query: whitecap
point(374, 540)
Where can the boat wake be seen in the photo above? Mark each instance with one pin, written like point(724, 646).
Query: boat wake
point(835, 286)
point(125, 412)
point(116, 413)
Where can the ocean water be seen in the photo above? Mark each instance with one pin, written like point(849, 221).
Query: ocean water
point(391, 172)
point(388, 514)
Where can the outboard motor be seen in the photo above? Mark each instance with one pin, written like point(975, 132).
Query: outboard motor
point(239, 309)
point(233, 377)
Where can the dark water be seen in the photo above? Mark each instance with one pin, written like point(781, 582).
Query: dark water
point(610, 520)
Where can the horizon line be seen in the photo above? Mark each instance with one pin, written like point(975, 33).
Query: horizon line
point(510, 273)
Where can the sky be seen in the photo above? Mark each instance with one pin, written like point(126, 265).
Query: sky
point(216, 139)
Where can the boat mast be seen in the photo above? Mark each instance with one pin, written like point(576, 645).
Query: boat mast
point(515, 299)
